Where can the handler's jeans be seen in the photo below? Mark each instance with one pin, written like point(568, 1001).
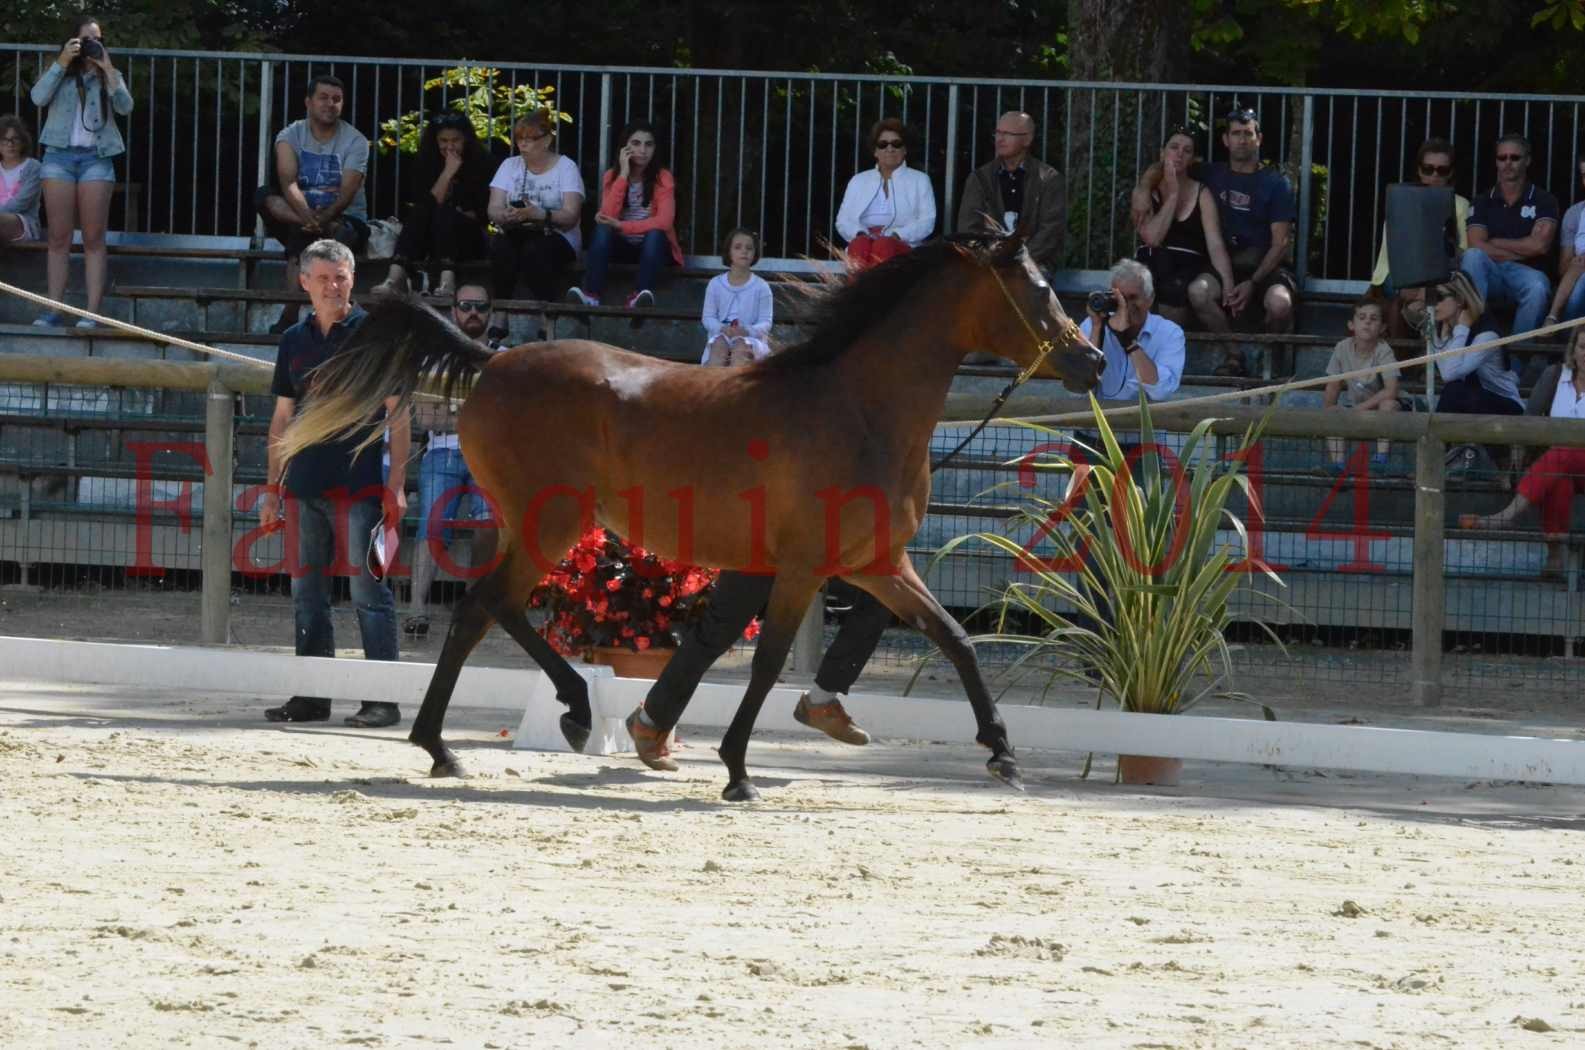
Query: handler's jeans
point(737, 598)
point(311, 579)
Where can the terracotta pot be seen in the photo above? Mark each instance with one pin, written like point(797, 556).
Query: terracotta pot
point(1148, 769)
point(629, 664)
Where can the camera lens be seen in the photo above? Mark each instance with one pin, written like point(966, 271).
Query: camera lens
point(1103, 303)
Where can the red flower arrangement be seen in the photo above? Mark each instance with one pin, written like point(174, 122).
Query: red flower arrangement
point(607, 592)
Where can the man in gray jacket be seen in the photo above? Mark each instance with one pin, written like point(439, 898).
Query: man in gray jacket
point(1015, 188)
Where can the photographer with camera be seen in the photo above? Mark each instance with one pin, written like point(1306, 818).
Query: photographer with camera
point(84, 93)
point(1143, 350)
point(536, 200)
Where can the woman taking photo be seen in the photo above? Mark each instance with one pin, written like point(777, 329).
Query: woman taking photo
point(637, 219)
point(890, 208)
point(536, 198)
point(84, 92)
point(445, 225)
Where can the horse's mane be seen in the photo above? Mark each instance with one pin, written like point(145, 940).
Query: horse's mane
point(843, 309)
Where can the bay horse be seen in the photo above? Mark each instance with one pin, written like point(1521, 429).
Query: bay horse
point(814, 462)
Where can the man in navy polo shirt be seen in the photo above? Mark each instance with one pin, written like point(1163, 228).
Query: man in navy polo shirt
point(1511, 230)
point(332, 488)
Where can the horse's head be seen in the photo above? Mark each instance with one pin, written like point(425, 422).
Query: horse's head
point(1021, 314)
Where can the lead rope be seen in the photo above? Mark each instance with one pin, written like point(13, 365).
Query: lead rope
point(1043, 349)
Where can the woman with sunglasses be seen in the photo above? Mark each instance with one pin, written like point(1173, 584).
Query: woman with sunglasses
point(1433, 165)
point(84, 93)
point(536, 200)
point(19, 183)
point(636, 221)
point(890, 208)
point(445, 225)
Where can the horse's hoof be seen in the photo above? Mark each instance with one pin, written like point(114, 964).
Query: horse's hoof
point(448, 767)
point(1004, 768)
point(577, 733)
point(741, 791)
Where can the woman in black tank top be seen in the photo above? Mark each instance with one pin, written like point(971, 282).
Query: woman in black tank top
point(1182, 234)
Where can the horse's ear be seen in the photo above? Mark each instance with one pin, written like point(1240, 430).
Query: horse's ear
point(1008, 247)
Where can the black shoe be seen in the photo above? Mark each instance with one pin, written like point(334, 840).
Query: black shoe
point(374, 715)
point(300, 709)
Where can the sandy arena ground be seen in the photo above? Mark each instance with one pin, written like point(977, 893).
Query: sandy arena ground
point(179, 873)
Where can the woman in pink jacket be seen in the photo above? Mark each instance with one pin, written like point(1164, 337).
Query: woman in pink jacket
point(636, 221)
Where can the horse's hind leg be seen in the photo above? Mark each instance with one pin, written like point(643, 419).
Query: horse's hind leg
point(789, 597)
point(907, 596)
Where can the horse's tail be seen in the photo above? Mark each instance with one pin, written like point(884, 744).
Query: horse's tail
point(403, 347)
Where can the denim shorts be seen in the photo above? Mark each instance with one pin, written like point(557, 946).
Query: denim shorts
point(82, 164)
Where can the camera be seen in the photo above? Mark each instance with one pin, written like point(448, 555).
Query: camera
point(517, 202)
point(1104, 303)
point(90, 47)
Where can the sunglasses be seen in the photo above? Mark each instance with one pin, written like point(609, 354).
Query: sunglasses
point(471, 306)
point(1443, 170)
point(1242, 116)
point(12, 140)
point(1000, 134)
point(889, 144)
point(530, 138)
point(1509, 158)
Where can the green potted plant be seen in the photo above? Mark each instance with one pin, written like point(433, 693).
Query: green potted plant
point(489, 104)
point(1141, 530)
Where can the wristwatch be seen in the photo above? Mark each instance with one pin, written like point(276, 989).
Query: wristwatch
point(1134, 346)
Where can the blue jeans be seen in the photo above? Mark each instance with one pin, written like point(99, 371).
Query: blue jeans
point(76, 164)
point(443, 475)
point(608, 244)
point(1510, 282)
point(1574, 307)
point(311, 580)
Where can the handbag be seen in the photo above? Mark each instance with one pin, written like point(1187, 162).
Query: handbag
point(382, 238)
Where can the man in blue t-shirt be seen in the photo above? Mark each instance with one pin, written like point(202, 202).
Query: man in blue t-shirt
point(1511, 231)
point(327, 484)
point(1257, 212)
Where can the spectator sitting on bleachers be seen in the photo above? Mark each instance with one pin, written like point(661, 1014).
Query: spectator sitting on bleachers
point(1256, 206)
point(536, 198)
point(636, 221)
point(1364, 348)
point(1182, 232)
point(1569, 302)
point(1143, 350)
point(888, 209)
point(1479, 382)
point(444, 225)
point(445, 484)
point(19, 183)
point(317, 191)
point(1433, 164)
point(1558, 475)
point(1510, 238)
point(738, 306)
point(1016, 189)
point(83, 91)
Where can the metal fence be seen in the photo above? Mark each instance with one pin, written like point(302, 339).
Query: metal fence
point(102, 489)
point(774, 150)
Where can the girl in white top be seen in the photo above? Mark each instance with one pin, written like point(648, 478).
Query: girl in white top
point(536, 198)
point(890, 208)
point(19, 183)
point(738, 307)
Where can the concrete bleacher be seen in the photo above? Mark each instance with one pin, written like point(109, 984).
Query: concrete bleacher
point(228, 295)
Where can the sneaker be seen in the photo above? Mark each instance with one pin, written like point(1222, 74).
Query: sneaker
point(84, 322)
point(581, 297)
point(642, 297)
point(1336, 468)
point(50, 320)
point(831, 719)
point(1379, 460)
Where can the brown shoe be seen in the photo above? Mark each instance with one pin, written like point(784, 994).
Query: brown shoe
point(653, 746)
point(831, 719)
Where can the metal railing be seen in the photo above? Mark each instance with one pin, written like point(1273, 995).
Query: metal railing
point(774, 150)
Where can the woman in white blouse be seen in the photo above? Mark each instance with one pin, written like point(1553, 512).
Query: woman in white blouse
point(1553, 480)
point(890, 208)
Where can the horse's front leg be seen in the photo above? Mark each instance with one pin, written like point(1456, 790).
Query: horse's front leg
point(789, 597)
point(906, 595)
